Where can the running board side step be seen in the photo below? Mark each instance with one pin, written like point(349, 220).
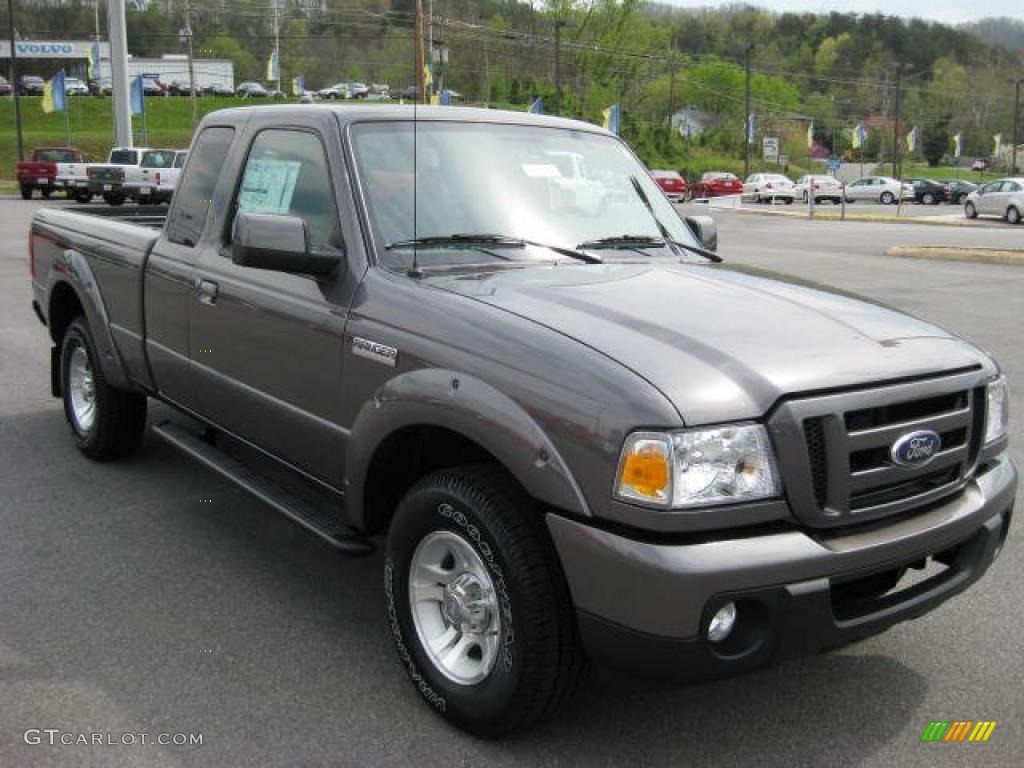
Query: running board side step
point(346, 540)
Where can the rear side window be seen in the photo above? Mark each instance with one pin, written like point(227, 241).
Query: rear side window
point(192, 199)
point(157, 159)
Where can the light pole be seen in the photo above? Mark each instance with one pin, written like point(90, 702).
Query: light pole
point(746, 118)
point(1016, 122)
point(14, 79)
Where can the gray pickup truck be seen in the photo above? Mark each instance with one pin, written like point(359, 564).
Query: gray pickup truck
point(490, 341)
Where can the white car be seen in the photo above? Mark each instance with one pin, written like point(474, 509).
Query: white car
point(1003, 198)
point(824, 187)
point(878, 189)
point(141, 182)
point(75, 87)
point(768, 187)
point(336, 91)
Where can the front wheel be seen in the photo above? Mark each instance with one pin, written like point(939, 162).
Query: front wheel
point(1012, 215)
point(26, 193)
point(477, 603)
point(83, 196)
point(970, 211)
point(887, 198)
point(107, 423)
point(113, 198)
point(928, 199)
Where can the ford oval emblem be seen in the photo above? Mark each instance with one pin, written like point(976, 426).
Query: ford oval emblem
point(916, 449)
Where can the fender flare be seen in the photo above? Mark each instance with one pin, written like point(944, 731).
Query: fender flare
point(71, 268)
point(477, 411)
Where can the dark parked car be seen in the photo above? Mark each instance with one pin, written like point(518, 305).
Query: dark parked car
point(929, 191)
point(31, 85)
point(153, 87)
point(252, 90)
point(5, 87)
point(959, 190)
point(180, 88)
point(574, 435)
point(218, 89)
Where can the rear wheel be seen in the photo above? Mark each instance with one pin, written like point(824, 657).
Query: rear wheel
point(477, 602)
point(107, 423)
point(26, 193)
point(928, 198)
point(887, 198)
point(83, 196)
point(1013, 215)
point(113, 198)
point(45, 192)
point(970, 211)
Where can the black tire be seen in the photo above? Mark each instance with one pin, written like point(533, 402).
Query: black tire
point(26, 193)
point(836, 200)
point(887, 198)
point(1012, 215)
point(538, 660)
point(928, 199)
point(120, 417)
point(83, 196)
point(849, 201)
point(970, 211)
point(113, 198)
point(45, 192)
point(789, 201)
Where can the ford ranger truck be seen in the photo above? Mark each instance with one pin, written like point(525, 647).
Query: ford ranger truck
point(576, 434)
point(109, 179)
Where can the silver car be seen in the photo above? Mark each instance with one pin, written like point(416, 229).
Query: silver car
point(879, 189)
point(1003, 198)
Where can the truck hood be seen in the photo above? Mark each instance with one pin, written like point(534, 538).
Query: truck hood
point(722, 342)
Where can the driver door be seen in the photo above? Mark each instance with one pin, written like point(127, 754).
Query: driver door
point(267, 345)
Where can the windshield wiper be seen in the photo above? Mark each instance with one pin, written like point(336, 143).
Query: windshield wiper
point(492, 241)
point(709, 255)
point(639, 242)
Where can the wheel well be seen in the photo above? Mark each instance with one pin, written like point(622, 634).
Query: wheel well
point(403, 458)
point(64, 307)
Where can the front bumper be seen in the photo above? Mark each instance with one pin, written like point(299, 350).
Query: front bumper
point(643, 607)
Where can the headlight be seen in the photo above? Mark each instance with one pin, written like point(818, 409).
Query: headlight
point(997, 410)
point(698, 467)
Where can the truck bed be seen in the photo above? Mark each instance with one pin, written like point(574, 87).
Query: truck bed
point(115, 251)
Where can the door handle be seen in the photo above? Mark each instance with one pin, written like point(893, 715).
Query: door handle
point(207, 290)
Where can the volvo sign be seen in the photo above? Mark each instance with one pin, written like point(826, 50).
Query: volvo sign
point(52, 49)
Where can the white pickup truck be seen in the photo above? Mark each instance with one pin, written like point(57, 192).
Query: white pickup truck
point(152, 181)
point(73, 178)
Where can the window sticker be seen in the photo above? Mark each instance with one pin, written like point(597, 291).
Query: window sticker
point(268, 186)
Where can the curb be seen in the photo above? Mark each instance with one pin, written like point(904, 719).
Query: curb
point(935, 221)
point(1014, 257)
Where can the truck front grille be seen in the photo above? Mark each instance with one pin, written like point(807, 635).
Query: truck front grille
point(835, 451)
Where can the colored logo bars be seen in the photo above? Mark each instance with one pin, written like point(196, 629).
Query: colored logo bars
point(958, 730)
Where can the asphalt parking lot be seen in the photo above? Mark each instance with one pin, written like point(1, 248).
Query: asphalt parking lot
point(129, 605)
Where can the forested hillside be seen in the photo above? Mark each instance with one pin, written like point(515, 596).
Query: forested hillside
point(833, 70)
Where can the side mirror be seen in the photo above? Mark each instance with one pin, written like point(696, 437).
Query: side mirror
point(270, 241)
point(705, 230)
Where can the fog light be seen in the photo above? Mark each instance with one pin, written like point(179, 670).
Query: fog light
point(721, 623)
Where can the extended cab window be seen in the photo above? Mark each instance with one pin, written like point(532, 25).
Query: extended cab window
point(187, 216)
point(286, 173)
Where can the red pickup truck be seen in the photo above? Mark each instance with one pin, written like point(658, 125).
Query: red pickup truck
point(41, 171)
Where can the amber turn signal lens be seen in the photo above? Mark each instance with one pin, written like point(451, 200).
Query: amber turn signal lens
point(647, 472)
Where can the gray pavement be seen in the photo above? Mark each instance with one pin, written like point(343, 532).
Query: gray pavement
point(128, 605)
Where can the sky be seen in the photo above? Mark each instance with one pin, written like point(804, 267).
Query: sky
point(948, 11)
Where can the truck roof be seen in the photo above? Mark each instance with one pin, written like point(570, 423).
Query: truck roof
point(351, 114)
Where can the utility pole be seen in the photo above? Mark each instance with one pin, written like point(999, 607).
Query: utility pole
point(746, 118)
point(559, 23)
point(421, 81)
point(1016, 123)
point(671, 87)
point(14, 79)
point(122, 106)
point(277, 47)
point(430, 44)
point(191, 63)
point(897, 169)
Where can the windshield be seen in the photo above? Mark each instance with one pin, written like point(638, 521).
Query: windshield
point(554, 186)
